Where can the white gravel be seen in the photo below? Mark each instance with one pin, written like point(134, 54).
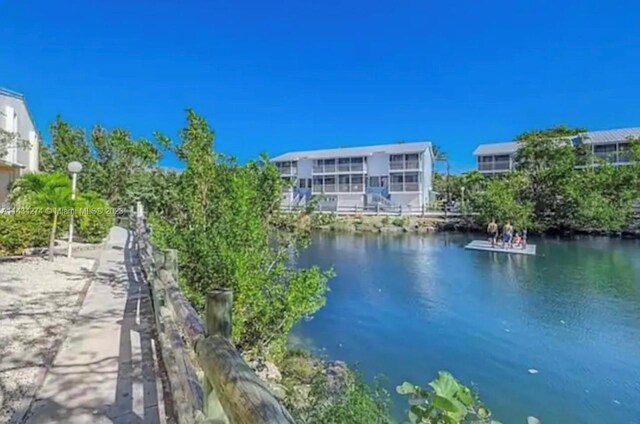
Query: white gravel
point(37, 302)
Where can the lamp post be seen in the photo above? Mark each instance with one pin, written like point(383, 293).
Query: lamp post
point(75, 168)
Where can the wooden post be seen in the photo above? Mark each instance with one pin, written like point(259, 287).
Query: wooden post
point(218, 313)
point(217, 323)
point(171, 262)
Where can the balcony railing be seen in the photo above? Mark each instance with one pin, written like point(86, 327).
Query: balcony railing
point(339, 168)
point(341, 188)
point(404, 165)
point(494, 166)
point(411, 186)
point(288, 170)
point(396, 165)
point(396, 187)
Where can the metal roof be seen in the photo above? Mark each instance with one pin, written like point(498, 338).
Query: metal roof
point(610, 136)
point(496, 149)
point(590, 137)
point(343, 152)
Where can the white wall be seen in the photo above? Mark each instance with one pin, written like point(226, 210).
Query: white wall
point(427, 175)
point(378, 165)
point(16, 118)
point(305, 168)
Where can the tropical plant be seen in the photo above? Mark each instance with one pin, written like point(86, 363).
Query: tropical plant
point(446, 401)
point(49, 194)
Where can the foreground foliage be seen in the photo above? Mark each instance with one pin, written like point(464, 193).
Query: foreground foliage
point(323, 392)
point(446, 401)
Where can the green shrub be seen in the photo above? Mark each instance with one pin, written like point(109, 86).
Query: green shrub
point(94, 218)
point(399, 222)
point(21, 231)
point(386, 220)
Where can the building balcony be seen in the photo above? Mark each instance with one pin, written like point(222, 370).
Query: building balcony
point(501, 166)
point(343, 168)
point(407, 165)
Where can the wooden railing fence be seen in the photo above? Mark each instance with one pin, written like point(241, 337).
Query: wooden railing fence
point(209, 380)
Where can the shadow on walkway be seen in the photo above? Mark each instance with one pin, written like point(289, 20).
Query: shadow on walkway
point(105, 371)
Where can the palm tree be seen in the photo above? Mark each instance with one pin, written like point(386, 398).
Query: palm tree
point(49, 192)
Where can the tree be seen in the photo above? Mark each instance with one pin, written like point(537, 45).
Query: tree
point(503, 202)
point(222, 230)
point(111, 159)
point(548, 159)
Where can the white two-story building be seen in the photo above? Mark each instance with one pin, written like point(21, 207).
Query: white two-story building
point(609, 145)
point(18, 141)
point(390, 175)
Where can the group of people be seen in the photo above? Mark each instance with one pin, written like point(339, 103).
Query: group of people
point(507, 238)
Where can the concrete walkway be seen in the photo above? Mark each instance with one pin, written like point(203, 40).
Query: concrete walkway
point(105, 370)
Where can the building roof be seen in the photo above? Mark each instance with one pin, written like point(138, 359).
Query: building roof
point(590, 137)
point(610, 136)
point(343, 152)
point(496, 149)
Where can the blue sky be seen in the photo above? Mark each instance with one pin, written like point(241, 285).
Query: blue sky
point(290, 75)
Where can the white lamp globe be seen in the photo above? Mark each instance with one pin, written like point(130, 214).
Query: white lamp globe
point(74, 167)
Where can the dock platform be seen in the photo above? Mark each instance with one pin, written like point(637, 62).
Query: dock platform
point(486, 246)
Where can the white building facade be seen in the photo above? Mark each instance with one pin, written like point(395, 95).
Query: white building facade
point(379, 177)
point(21, 154)
point(610, 145)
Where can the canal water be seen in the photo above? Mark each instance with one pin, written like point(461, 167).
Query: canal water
point(408, 306)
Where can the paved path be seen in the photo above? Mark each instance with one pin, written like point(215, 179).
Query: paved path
point(104, 371)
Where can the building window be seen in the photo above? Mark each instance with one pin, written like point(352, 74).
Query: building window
point(344, 165)
point(411, 181)
point(317, 185)
point(397, 182)
point(374, 182)
point(605, 152)
point(329, 165)
point(396, 162)
point(624, 153)
point(357, 164)
point(357, 183)
point(412, 161)
point(330, 184)
point(343, 183)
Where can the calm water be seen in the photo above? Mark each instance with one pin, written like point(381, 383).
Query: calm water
point(409, 306)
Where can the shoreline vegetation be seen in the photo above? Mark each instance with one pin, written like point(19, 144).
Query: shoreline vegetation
point(224, 219)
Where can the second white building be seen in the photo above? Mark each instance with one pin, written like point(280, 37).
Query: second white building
point(382, 176)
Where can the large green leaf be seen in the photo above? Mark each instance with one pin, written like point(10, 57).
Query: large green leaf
point(445, 385)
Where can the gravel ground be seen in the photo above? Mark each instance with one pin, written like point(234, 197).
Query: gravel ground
point(37, 302)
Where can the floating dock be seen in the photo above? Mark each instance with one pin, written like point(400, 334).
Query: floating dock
point(486, 246)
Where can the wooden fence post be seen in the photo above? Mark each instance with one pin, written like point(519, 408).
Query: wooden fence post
point(218, 313)
point(217, 323)
point(171, 262)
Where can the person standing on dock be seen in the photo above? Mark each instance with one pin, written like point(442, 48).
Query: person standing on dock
point(507, 232)
point(492, 231)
